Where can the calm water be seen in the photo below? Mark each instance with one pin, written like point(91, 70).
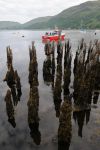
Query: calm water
point(19, 137)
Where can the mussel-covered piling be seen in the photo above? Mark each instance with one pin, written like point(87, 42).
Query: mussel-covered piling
point(67, 67)
point(58, 81)
point(33, 102)
point(49, 64)
point(86, 72)
point(12, 78)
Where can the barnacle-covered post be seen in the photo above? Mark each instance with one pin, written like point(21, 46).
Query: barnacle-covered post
point(58, 81)
point(47, 70)
point(59, 51)
point(33, 102)
point(47, 48)
point(53, 63)
point(12, 78)
point(67, 67)
point(80, 84)
point(9, 56)
point(49, 63)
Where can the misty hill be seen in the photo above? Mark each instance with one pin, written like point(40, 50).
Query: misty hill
point(9, 25)
point(85, 15)
point(36, 21)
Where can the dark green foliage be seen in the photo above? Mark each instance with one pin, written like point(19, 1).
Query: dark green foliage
point(88, 13)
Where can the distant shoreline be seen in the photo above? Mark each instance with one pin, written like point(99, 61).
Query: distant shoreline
point(48, 29)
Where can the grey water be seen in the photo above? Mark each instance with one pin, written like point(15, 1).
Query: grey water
point(19, 137)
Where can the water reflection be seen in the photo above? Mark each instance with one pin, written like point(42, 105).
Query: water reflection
point(33, 102)
point(33, 118)
point(18, 85)
point(80, 117)
point(34, 123)
point(10, 108)
point(65, 126)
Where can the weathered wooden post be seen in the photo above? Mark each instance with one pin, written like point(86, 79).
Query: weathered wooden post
point(33, 102)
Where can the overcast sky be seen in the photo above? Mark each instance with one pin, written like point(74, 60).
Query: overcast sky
point(25, 10)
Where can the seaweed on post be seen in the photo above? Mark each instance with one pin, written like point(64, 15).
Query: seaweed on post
point(33, 102)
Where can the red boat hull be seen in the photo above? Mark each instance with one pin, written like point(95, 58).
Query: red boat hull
point(53, 38)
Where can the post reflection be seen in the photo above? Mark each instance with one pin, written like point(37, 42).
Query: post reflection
point(80, 117)
point(65, 126)
point(10, 109)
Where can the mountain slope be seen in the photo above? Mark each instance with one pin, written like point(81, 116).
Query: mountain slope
point(36, 21)
point(88, 13)
point(9, 25)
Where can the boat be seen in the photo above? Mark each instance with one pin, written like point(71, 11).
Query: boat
point(54, 36)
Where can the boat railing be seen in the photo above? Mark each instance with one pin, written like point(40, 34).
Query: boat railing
point(53, 33)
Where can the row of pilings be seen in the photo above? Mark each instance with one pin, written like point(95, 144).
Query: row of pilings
point(57, 73)
point(14, 93)
point(86, 73)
